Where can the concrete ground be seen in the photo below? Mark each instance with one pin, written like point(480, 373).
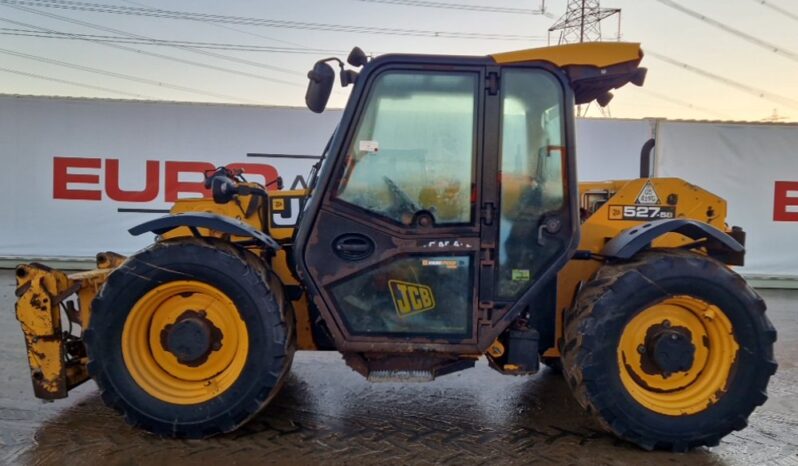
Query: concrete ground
point(328, 414)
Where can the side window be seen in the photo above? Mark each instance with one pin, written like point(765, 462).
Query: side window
point(532, 154)
point(413, 151)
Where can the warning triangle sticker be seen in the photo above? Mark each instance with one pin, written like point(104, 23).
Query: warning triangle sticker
point(648, 195)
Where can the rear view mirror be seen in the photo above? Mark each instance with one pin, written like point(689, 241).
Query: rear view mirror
point(320, 84)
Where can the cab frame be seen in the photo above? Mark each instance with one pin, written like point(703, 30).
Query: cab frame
point(491, 316)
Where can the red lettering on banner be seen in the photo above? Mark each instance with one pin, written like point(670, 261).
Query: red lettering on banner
point(151, 183)
point(268, 172)
point(783, 200)
point(174, 186)
point(62, 178)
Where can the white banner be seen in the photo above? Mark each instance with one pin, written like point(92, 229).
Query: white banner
point(78, 173)
point(609, 149)
point(755, 168)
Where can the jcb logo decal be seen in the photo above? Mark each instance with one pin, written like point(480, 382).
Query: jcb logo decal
point(411, 298)
point(285, 210)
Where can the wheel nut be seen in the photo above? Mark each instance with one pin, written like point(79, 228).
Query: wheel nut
point(641, 349)
point(666, 323)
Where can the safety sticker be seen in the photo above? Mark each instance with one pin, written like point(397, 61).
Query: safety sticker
point(641, 212)
point(446, 263)
point(411, 298)
point(520, 275)
point(648, 195)
point(369, 146)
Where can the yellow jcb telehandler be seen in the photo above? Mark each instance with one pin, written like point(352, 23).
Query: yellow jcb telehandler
point(443, 224)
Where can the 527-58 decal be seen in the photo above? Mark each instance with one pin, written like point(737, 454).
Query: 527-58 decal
point(641, 212)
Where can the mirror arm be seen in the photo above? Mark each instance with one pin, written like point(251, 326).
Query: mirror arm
point(335, 59)
point(347, 76)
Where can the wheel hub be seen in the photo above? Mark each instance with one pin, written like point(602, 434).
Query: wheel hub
point(676, 356)
point(668, 350)
point(192, 338)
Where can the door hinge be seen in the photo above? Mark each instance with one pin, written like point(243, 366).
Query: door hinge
point(492, 83)
point(485, 310)
point(487, 212)
point(487, 256)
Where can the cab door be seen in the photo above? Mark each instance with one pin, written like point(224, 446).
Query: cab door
point(408, 246)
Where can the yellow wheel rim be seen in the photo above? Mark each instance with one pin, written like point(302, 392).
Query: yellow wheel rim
point(686, 391)
point(159, 371)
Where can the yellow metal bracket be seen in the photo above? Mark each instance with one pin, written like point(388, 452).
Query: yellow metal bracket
point(40, 291)
point(57, 359)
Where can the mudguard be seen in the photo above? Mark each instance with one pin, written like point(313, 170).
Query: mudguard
point(208, 220)
point(718, 243)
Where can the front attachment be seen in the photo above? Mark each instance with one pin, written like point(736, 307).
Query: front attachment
point(45, 305)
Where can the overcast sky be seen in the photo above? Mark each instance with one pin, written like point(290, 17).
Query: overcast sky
point(279, 78)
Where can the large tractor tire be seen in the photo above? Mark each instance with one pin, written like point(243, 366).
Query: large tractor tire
point(671, 351)
point(190, 338)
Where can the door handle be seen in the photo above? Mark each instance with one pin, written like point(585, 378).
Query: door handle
point(353, 246)
point(550, 224)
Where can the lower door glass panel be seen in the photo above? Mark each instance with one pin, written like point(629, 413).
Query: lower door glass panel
point(418, 295)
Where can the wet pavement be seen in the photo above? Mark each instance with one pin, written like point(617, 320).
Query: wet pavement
point(330, 415)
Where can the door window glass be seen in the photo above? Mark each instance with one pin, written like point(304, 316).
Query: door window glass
point(413, 150)
point(415, 296)
point(532, 155)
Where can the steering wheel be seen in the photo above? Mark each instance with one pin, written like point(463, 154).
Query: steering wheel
point(402, 204)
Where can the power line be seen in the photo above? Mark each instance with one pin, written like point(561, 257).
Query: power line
point(163, 42)
point(460, 6)
point(127, 77)
point(722, 79)
point(249, 21)
point(152, 54)
point(128, 34)
point(724, 27)
point(778, 9)
point(143, 5)
point(682, 103)
point(72, 83)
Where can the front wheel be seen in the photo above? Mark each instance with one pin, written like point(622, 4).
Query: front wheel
point(671, 351)
point(189, 338)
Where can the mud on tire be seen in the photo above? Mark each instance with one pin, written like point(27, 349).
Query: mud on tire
point(257, 296)
point(617, 293)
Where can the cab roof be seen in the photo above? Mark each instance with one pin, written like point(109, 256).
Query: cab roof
point(593, 68)
point(598, 54)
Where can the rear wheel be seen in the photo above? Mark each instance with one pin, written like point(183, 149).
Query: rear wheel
point(670, 351)
point(189, 338)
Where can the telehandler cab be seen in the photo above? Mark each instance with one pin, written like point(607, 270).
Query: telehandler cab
point(443, 224)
